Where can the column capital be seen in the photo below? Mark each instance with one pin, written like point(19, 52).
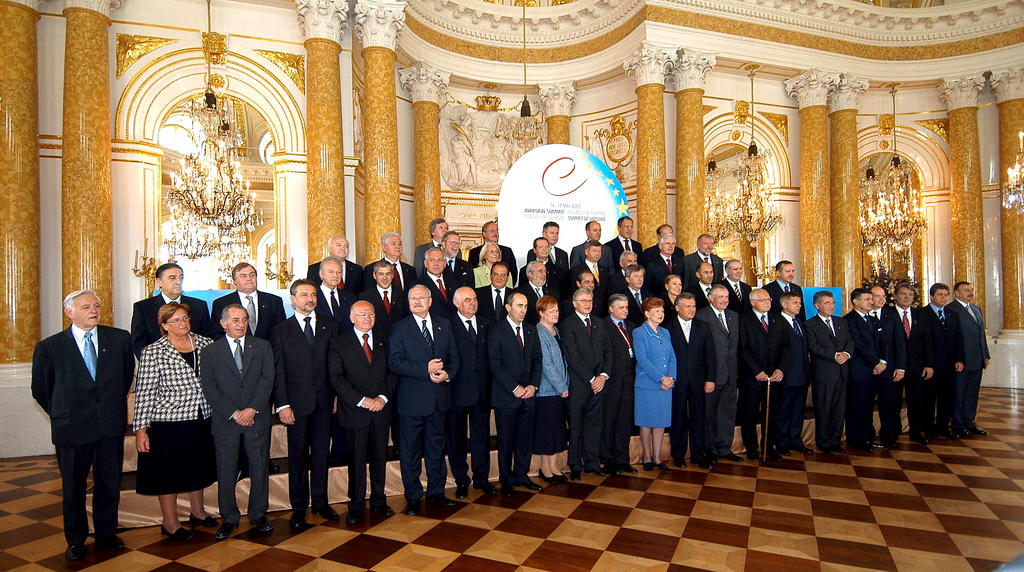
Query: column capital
point(649, 64)
point(1008, 84)
point(324, 19)
point(961, 92)
point(691, 68)
point(557, 99)
point(425, 83)
point(30, 4)
point(102, 6)
point(846, 90)
point(378, 22)
point(811, 87)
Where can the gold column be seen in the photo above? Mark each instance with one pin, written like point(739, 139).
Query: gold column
point(648, 67)
point(689, 72)
point(377, 25)
point(967, 228)
point(557, 102)
point(1009, 88)
point(86, 207)
point(428, 88)
point(322, 24)
point(19, 178)
point(810, 90)
point(847, 270)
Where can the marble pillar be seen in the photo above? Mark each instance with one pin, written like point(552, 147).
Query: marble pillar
point(557, 102)
point(377, 25)
point(86, 207)
point(19, 177)
point(689, 71)
point(648, 67)
point(323, 25)
point(810, 89)
point(429, 89)
point(844, 218)
point(967, 226)
point(1009, 88)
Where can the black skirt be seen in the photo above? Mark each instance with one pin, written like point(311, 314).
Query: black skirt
point(180, 458)
point(550, 430)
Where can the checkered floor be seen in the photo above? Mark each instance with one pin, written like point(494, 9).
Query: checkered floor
point(953, 505)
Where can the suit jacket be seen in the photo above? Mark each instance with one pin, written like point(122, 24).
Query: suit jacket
point(385, 320)
point(796, 370)
point(485, 298)
point(972, 331)
point(600, 289)
point(617, 282)
point(695, 359)
point(165, 384)
point(652, 251)
point(345, 301)
point(441, 306)
point(353, 276)
point(419, 254)
point(760, 350)
point(512, 365)
point(556, 277)
point(587, 354)
point(918, 347)
point(532, 317)
point(507, 256)
point(472, 385)
point(407, 358)
point(699, 295)
point(463, 273)
point(623, 368)
point(692, 261)
point(408, 276)
point(352, 377)
point(656, 271)
point(82, 410)
point(893, 330)
point(300, 368)
point(775, 291)
point(227, 390)
point(947, 341)
point(871, 345)
point(615, 249)
point(739, 304)
point(824, 345)
point(560, 259)
point(636, 311)
point(577, 256)
point(145, 330)
point(726, 342)
point(269, 313)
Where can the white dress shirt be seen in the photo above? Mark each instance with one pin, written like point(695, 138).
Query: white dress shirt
point(685, 325)
point(79, 335)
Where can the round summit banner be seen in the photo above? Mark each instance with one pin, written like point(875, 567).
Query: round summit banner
point(559, 183)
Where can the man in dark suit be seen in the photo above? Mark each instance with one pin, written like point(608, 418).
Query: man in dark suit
point(724, 325)
point(890, 390)
point(351, 273)
point(976, 357)
point(635, 293)
point(601, 276)
point(489, 233)
point(389, 304)
point(915, 333)
point(696, 371)
point(617, 283)
point(304, 401)
point(578, 254)
point(830, 345)
point(618, 389)
point(784, 273)
point(237, 379)
point(471, 398)
point(438, 228)
point(80, 377)
point(703, 254)
point(541, 253)
point(358, 365)
point(440, 282)
point(948, 351)
point(662, 263)
point(652, 251)
point(331, 301)
point(739, 291)
point(492, 299)
point(145, 330)
point(795, 380)
point(762, 353)
point(701, 287)
point(558, 257)
point(404, 274)
point(870, 352)
point(534, 288)
point(514, 356)
point(265, 310)
point(462, 271)
point(423, 355)
point(623, 242)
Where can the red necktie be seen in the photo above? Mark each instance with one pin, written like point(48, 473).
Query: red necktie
point(519, 337)
point(764, 322)
point(668, 261)
point(625, 243)
point(906, 323)
point(786, 289)
point(387, 303)
point(587, 321)
point(444, 293)
point(398, 275)
point(366, 348)
point(341, 284)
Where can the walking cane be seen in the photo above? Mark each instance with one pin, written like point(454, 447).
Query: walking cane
point(764, 427)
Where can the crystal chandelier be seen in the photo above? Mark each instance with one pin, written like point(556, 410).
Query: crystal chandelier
point(1013, 189)
point(891, 212)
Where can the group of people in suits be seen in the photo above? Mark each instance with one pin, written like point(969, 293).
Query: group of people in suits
point(568, 352)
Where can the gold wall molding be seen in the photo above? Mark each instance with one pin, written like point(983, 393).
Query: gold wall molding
point(938, 126)
point(293, 66)
point(780, 121)
point(131, 47)
point(707, 109)
point(215, 48)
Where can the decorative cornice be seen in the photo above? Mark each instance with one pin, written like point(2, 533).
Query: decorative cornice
point(557, 99)
point(425, 83)
point(293, 66)
point(938, 126)
point(131, 47)
point(102, 6)
point(378, 22)
point(648, 65)
point(811, 87)
point(691, 68)
point(1008, 84)
point(324, 19)
point(846, 90)
point(961, 92)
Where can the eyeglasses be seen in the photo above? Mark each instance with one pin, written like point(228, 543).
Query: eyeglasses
point(365, 314)
point(180, 320)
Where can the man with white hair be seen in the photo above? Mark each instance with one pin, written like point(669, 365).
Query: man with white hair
point(351, 273)
point(391, 249)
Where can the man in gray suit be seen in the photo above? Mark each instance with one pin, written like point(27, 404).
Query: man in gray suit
point(721, 403)
point(967, 382)
point(237, 378)
point(438, 228)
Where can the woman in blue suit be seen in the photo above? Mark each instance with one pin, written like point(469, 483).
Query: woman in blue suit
point(655, 370)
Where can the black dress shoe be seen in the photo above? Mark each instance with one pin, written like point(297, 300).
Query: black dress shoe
point(837, 450)
point(753, 455)
point(627, 468)
point(196, 521)
point(773, 455)
point(875, 445)
point(532, 486)
point(805, 451)
point(327, 512)
point(649, 466)
point(263, 525)
point(412, 508)
point(461, 491)
point(111, 542)
point(950, 435)
point(782, 451)
point(180, 534)
point(383, 510)
point(679, 462)
point(298, 520)
point(732, 457)
point(977, 430)
point(859, 445)
point(889, 443)
point(610, 469)
point(224, 531)
point(598, 471)
point(487, 488)
point(353, 516)
point(507, 490)
point(550, 480)
point(663, 468)
point(440, 500)
point(919, 439)
point(75, 552)
point(575, 474)
point(706, 462)
point(825, 450)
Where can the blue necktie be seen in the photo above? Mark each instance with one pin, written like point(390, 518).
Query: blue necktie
point(427, 337)
point(796, 328)
point(942, 317)
point(89, 354)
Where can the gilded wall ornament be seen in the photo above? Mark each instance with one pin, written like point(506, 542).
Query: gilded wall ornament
point(215, 48)
point(886, 123)
point(938, 126)
point(780, 121)
point(740, 112)
point(293, 66)
point(615, 143)
point(706, 108)
point(131, 47)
